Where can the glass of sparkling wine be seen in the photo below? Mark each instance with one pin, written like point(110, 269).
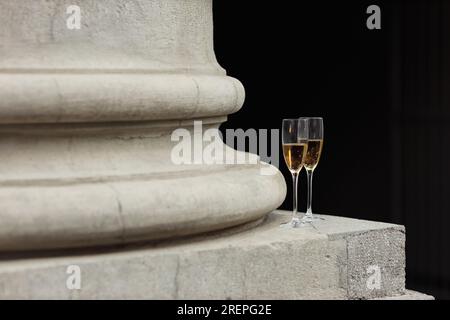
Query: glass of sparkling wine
point(295, 144)
point(314, 150)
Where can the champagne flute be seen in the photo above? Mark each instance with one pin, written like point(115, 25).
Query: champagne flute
point(314, 150)
point(295, 144)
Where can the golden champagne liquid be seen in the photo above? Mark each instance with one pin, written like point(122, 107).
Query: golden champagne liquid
point(294, 155)
point(313, 154)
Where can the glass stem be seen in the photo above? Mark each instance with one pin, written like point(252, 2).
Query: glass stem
point(309, 174)
point(295, 215)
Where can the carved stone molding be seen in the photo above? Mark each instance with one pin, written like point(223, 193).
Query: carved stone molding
point(85, 126)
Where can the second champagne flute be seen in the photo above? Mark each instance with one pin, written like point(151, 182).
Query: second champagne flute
point(294, 138)
point(315, 144)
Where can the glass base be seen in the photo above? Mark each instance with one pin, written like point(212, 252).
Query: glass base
point(303, 222)
point(310, 218)
point(293, 224)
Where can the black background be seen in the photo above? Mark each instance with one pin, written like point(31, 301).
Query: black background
point(383, 94)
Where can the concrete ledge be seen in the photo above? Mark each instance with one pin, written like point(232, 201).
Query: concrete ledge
point(329, 260)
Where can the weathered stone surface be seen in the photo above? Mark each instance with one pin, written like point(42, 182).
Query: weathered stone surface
point(369, 249)
point(327, 261)
point(384, 249)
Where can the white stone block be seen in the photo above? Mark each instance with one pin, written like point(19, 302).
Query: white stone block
point(327, 261)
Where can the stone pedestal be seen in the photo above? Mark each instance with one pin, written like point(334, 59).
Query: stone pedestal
point(335, 259)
